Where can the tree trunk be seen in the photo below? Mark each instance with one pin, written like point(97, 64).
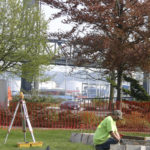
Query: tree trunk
point(25, 86)
point(35, 90)
point(111, 96)
point(119, 87)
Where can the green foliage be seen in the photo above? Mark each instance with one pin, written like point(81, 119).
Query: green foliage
point(112, 82)
point(137, 91)
point(41, 99)
point(24, 49)
point(99, 102)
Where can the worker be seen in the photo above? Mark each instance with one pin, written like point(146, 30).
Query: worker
point(106, 132)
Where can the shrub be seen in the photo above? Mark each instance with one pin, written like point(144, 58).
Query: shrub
point(89, 119)
point(134, 121)
point(99, 102)
point(39, 99)
point(69, 119)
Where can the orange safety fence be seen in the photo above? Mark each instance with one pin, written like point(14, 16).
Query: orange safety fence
point(46, 115)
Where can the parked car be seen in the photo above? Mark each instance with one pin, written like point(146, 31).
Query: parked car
point(71, 105)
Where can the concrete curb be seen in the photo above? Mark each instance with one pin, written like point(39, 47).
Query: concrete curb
point(87, 138)
point(129, 147)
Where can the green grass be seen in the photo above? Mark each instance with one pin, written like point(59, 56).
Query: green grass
point(136, 134)
point(56, 139)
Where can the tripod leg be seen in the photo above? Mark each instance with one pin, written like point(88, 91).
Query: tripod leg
point(24, 129)
point(11, 122)
point(23, 123)
point(28, 120)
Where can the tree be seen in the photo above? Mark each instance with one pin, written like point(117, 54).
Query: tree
point(136, 90)
point(112, 34)
point(24, 48)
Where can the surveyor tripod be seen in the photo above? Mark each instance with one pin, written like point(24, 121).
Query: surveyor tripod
point(25, 119)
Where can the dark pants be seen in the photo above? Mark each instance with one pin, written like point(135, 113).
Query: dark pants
point(106, 145)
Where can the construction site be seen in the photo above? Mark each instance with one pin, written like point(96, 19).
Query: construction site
point(75, 74)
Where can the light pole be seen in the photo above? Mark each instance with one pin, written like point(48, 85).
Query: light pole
point(65, 79)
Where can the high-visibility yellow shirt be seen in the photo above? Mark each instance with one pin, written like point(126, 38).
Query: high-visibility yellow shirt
point(102, 133)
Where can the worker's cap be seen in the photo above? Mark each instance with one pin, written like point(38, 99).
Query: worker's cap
point(118, 113)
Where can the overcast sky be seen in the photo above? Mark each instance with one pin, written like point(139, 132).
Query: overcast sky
point(55, 25)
